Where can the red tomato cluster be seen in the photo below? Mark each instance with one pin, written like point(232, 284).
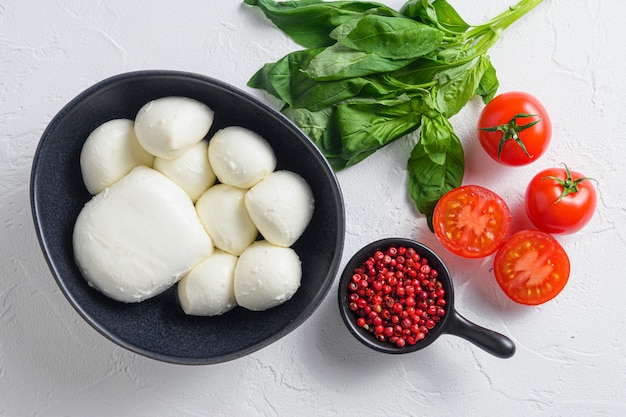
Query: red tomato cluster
point(471, 221)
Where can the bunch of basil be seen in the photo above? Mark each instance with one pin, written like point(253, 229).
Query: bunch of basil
point(370, 75)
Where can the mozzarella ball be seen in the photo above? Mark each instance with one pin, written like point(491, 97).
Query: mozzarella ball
point(138, 237)
point(110, 152)
point(266, 276)
point(208, 289)
point(222, 211)
point(240, 157)
point(168, 126)
point(281, 207)
point(191, 171)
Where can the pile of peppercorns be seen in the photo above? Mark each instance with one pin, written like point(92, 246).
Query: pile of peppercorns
point(396, 295)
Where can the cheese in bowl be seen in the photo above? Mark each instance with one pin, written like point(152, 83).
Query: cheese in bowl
point(189, 209)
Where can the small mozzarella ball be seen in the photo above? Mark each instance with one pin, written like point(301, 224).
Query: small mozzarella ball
point(222, 211)
point(138, 237)
point(168, 126)
point(110, 152)
point(208, 289)
point(266, 276)
point(240, 157)
point(281, 207)
point(191, 171)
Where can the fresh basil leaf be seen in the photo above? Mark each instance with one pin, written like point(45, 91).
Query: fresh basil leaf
point(452, 72)
point(317, 95)
point(319, 128)
point(309, 22)
point(433, 171)
point(448, 17)
point(489, 84)
point(435, 136)
point(393, 37)
point(419, 72)
point(439, 14)
point(451, 96)
point(338, 62)
point(286, 80)
point(455, 54)
point(344, 29)
point(277, 78)
point(341, 31)
point(262, 80)
point(421, 10)
point(381, 86)
point(369, 125)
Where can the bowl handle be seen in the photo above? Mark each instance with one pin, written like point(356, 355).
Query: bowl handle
point(488, 340)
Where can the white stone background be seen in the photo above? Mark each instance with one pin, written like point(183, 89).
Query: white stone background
point(571, 352)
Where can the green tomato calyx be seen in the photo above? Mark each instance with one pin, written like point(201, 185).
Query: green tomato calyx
point(511, 131)
point(570, 186)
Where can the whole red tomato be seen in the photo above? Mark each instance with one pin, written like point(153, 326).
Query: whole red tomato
point(514, 128)
point(560, 201)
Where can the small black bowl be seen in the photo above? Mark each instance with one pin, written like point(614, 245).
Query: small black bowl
point(158, 328)
point(452, 323)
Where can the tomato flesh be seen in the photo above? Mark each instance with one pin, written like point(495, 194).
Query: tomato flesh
point(531, 267)
point(471, 221)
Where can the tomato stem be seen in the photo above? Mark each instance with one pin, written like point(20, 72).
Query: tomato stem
point(570, 186)
point(511, 130)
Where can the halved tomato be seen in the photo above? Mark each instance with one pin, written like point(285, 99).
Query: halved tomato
point(471, 221)
point(531, 267)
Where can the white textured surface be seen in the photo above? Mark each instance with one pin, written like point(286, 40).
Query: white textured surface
point(571, 353)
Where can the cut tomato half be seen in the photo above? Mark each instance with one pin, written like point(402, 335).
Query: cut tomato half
point(531, 267)
point(471, 221)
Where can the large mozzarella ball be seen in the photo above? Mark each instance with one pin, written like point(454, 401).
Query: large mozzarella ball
point(191, 171)
point(138, 237)
point(240, 157)
point(222, 211)
point(110, 152)
point(266, 276)
point(281, 207)
point(168, 126)
point(208, 289)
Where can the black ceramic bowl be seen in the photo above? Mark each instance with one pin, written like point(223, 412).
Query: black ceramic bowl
point(158, 328)
point(452, 323)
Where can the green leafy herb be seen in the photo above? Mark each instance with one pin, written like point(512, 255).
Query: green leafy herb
point(436, 164)
point(365, 126)
point(391, 37)
point(369, 75)
point(309, 22)
point(338, 62)
point(438, 14)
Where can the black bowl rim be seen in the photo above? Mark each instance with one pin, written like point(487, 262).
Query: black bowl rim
point(93, 89)
point(348, 316)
